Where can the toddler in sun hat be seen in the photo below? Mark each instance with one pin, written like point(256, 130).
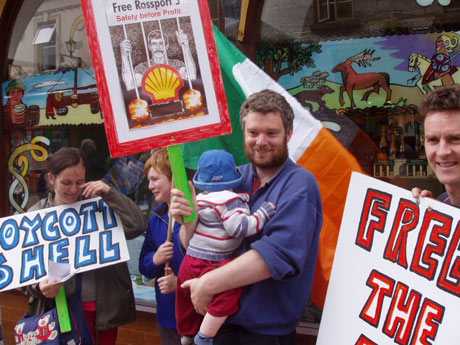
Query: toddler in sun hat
point(224, 220)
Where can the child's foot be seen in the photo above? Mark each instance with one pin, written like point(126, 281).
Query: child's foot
point(202, 340)
point(186, 340)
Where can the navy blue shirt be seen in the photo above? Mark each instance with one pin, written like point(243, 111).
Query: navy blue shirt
point(288, 244)
point(154, 237)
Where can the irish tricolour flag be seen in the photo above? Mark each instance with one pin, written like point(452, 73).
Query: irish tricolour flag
point(312, 146)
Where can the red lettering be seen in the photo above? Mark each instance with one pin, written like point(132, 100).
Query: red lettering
point(430, 317)
point(363, 340)
point(402, 313)
point(438, 226)
point(449, 278)
point(406, 219)
point(376, 204)
point(381, 286)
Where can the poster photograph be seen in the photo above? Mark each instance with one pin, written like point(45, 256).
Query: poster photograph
point(396, 272)
point(157, 72)
point(64, 239)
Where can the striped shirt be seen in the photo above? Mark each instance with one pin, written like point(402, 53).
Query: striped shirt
point(224, 220)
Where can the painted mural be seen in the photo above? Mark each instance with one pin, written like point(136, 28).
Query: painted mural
point(367, 91)
point(23, 169)
point(65, 97)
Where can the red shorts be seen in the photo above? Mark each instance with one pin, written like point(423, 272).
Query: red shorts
point(224, 304)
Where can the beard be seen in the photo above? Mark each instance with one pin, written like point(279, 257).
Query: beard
point(272, 156)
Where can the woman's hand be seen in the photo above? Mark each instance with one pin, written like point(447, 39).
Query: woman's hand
point(95, 188)
point(49, 288)
point(164, 253)
point(180, 206)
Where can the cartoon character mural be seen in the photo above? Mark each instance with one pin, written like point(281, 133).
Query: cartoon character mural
point(19, 113)
point(59, 100)
point(353, 80)
point(35, 100)
point(420, 64)
point(384, 79)
point(440, 69)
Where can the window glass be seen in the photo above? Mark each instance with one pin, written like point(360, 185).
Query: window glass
point(50, 100)
point(322, 51)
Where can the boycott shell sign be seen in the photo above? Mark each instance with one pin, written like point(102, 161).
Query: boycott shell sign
point(83, 236)
point(396, 273)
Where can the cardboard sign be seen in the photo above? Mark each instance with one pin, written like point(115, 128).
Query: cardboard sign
point(157, 72)
point(396, 273)
point(86, 235)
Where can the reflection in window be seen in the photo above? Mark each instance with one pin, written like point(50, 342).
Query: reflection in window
point(45, 43)
point(333, 10)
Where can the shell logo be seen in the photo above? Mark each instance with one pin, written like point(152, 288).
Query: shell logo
point(162, 83)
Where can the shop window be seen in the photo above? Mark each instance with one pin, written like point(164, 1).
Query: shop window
point(46, 46)
point(334, 10)
point(454, 5)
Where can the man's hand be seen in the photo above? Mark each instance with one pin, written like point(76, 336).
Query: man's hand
point(199, 295)
point(418, 193)
point(95, 188)
point(167, 283)
point(49, 289)
point(164, 253)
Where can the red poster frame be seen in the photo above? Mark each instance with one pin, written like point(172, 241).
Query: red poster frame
point(118, 148)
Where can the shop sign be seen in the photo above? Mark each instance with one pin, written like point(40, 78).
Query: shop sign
point(65, 97)
point(396, 276)
point(158, 75)
point(80, 237)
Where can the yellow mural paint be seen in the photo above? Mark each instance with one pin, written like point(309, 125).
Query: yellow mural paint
point(18, 166)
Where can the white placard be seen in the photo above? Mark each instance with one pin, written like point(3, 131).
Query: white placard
point(396, 273)
point(86, 235)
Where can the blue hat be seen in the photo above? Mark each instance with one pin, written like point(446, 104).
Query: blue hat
point(217, 171)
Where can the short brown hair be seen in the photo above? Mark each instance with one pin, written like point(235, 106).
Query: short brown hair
point(64, 158)
point(159, 161)
point(267, 101)
point(441, 99)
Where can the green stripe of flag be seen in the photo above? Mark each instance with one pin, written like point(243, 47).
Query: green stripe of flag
point(229, 56)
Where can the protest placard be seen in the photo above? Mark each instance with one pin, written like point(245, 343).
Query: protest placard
point(86, 235)
point(157, 72)
point(396, 272)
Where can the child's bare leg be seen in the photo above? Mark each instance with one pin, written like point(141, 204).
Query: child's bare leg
point(208, 329)
point(211, 325)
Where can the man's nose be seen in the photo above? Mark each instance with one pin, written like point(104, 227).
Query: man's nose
point(261, 139)
point(444, 148)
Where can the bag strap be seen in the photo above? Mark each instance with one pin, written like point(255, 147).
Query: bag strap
point(78, 315)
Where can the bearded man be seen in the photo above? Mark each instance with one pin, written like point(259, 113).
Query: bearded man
point(276, 266)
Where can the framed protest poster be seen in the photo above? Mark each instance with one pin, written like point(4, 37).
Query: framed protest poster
point(157, 72)
point(396, 277)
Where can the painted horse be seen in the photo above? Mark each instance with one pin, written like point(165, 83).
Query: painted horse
point(353, 80)
point(420, 63)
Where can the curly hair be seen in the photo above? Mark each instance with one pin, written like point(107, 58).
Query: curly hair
point(268, 101)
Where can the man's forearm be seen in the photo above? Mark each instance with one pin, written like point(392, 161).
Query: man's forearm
point(246, 269)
